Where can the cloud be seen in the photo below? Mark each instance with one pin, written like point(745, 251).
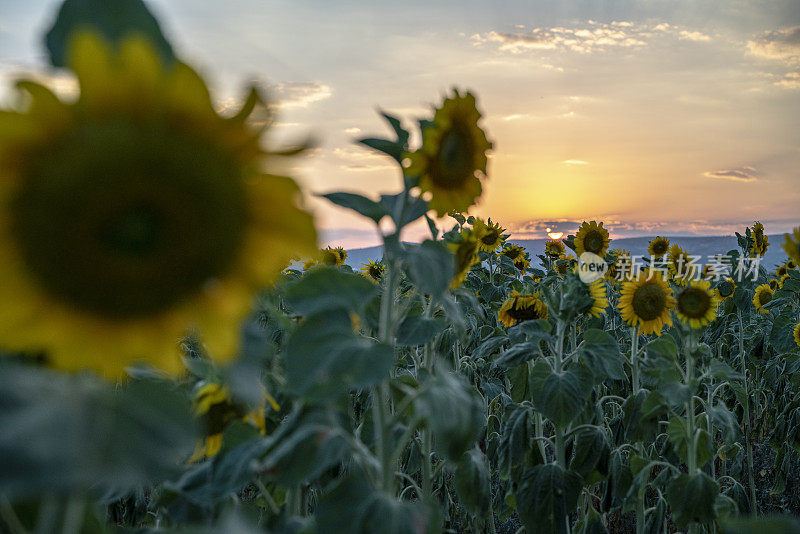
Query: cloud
point(590, 37)
point(783, 44)
point(355, 158)
point(299, 94)
point(742, 174)
point(574, 162)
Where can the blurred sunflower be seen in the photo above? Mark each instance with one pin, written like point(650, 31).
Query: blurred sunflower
point(597, 289)
point(522, 263)
point(781, 270)
point(490, 235)
point(762, 296)
point(646, 301)
point(134, 213)
point(373, 270)
point(333, 256)
point(773, 284)
point(782, 280)
point(792, 244)
point(452, 156)
point(518, 308)
point(214, 405)
point(554, 248)
point(726, 288)
point(591, 237)
point(466, 255)
point(791, 265)
point(680, 265)
point(512, 252)
point(797, 334)
point(696, 304)
point(760, 241)
point(658, 247)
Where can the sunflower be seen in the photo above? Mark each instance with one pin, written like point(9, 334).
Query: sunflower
point(791, 265)
point(622, 266)
point(490, 235)
point(646, 301)
point(659, 246)
point(518, 308)
point(591, 237)
point(597, 289)
point(726, 288)
point(214, 405)
point(466, 255)
point(333, 256)
point(697, 304)
point(680, 265)
point(781, 270)
point(564, 263)
point(760, 241)
point(452, 156)
point(773, 284)
point(512, 252)
point(792, 245)
point(782, 280)
point(373, 270)
point(762, 296)
point(135, 213)
point(554, 248)
point(797, 334)
point(522, 263)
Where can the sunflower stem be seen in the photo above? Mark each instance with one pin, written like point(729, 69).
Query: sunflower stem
point(381, 397)
point(747, 429)
point(635, 358)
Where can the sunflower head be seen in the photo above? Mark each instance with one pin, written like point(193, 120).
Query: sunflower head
point(512, 251)
point(696, 304)
point(452, 157)
point(489, 234)
point(135, 213)
point(620, 265)
point(762, 297)
point(591, 237)
point(465, 251)
point(680, 265)
point(333, 256)
point(791, 264)
point(554, 248)
point(373, 270)
point(659, 246)
point(646, 302)
point(791, 245)
point(773, 284)
point(726, 288)
point(518, 308)
point(597, 290)
point(565, 263)
point(759, 244)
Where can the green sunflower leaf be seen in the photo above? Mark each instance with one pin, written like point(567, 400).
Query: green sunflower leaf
point(546, 495)
point(430, 266)
point(360, 204)
point(691, 498)
point(472, 482)
point(600, 352)
point(113, 19)
point(560, 396)
point(416, 330)
point(326, 288)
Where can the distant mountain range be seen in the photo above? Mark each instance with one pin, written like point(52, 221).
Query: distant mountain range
point(696, 246)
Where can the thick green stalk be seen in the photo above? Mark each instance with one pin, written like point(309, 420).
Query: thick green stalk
point(747, 429)
point(381, 401)
point(635, 358)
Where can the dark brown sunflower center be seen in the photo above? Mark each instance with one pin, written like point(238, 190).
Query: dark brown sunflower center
point(490, 238)
point(375, 272)
point(781, 270)
point(726, 289)
point(694, 303)
point(511, 253)
point(593, 242)
point(659, 248)
point(649, 301)
point(764, 297)
point(455, 161)
point(523, 313)
point(123, 220)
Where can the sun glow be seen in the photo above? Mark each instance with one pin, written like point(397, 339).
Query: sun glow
point(555, 235)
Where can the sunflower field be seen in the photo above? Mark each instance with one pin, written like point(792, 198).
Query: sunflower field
point(178, 355)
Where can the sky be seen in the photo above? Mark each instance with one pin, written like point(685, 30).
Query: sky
point(656, 117)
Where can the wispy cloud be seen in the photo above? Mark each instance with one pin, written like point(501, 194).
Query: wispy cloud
point(574, 162)
point(299, 94)
point(356, 158)
point(742, 174)
point(783, 44)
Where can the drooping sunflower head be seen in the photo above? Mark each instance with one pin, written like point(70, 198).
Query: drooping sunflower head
point(659, 246)
point(791, 245)
point(518, 308)
point(791, 264)
point(597, 290)
point(373, 270)
point(773, 284)
point(333, 256)
point(554, 248)
point(591, 237)
point(796, 333)
point(522, 263)
point(646, 302)
point(452, 157)
point(680, 265)
point(759, 245)
point(762, 297)
point(696, 304)
point(726, 288)
point(465, 251)
point(489, 234)
point(134, 213)
point(564, 264)
point(781, 270)
point(782, 280)
point(512, 251)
